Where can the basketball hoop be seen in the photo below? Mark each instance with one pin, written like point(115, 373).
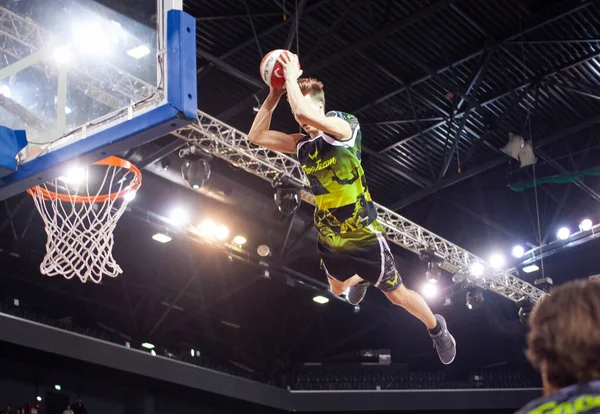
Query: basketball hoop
point(80, 214)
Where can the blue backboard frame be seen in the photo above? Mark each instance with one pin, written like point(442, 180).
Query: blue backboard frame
point(179, 109)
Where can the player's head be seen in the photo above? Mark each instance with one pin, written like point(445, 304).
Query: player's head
point(312, 90)
point(564, 341)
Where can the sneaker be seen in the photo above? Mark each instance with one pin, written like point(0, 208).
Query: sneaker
point(444, 343)
point(357, 293)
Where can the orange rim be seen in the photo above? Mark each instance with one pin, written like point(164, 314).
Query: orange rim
point(44, 193)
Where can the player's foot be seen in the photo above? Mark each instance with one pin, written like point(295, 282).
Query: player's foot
point(357, 293)
point(443, 342)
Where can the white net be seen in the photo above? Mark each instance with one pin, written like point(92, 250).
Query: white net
point(80, 212)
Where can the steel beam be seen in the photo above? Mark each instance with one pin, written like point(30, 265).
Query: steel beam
point(447, 182)
point(293, 29)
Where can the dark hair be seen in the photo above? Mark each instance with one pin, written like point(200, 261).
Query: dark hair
point(565, 333)
point(313, 88)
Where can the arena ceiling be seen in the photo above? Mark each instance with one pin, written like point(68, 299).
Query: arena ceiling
point(437, 87)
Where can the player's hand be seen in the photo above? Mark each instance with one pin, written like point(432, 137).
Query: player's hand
point(291, 67)
point(277, 93)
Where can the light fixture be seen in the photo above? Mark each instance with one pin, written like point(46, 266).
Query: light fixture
point(525, 308)
point(433, 274)
point(5, 91)
point(90, 39)
point(321, 299)
point(474, 298)
point(153, 352)
point(586, 224)
point(287, 195)
point(130, 196)
point(192, 353)
point(239, 240)
point(38, 398)
point(68, 110)
point(563, 233)
point(57, 387)
point(497, 261)
point(196, 166)
point(263, 250)
point(207, 228)
point(162, 238)
point(518, 251)
point(148, 345)
point(138, 52)
point(430, 289)
point(63, 55)
point(531, 268)
point(477, 269)
point(221, 232)
point(179, 217)
point(74, 175)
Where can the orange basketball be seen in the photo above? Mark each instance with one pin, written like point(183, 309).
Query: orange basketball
point(271, 70)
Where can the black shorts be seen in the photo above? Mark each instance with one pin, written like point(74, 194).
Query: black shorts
point(362, 252)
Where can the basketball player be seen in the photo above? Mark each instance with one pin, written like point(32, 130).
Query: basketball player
point(354, 253)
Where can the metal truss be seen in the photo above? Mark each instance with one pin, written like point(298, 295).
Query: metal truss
point(229, 144)
point(25, 41)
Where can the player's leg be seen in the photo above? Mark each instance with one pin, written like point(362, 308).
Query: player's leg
point(339, 287)
point(413, 303)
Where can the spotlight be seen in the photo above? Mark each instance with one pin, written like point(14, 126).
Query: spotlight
point(162, 238)
point(138, 52)
point(458, 277)
point(179, 217)
point(63, 55)
point(207, 228)
point(518, 251)
point(497, 261)
point(531, 268)
point(5, 91)
point(563, 233)
point(474, 298)
point(195, 168)
point(430, 290)
point(287, 195)
point(57, 387)
point(153, 352)
point(525, 308)
point(320, 299)
point(433, 274)
point(239, 240)
point(585, 225)
point(74, 175)
point(38, 398)
point(477, 269)
point(221, 232)
point(263, 250)
point(148, 345)
point(130, 196)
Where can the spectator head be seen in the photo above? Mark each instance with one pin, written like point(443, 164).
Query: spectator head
point(7, 409)
point(18, 411)
point(564, 338)
point(68, 406)
point(79, 402)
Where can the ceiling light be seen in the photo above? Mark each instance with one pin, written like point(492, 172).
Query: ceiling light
point(474, 298)
point(239, 240)
point(207, 228)
point(153, 352)
point(138, 52)
point(130, 195)
point(74, 175)
point(38, 398)
point(586, 224)
point(430, 289)
point(148, 345)
point(563, 233)
point(497, 261)
point(63, 55)
point(57, 387)
point(477, 269)
point(162, 238)
point(221, 232)
point(67, 110)
point(263, 250)
point(518, 251)
point(321, 299)
point(531, 268)
point(179, 217)
point(5, 91)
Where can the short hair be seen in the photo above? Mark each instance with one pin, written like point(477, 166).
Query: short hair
point(565, 335)
point(313, 88)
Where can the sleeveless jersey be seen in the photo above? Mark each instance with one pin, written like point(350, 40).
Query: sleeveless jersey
point(337, 180)
point(576, 399)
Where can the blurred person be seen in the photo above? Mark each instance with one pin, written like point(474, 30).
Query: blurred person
point(564, 344)
point(78, 407)
point(7, 409)
point(68, 410)
point(19, 411)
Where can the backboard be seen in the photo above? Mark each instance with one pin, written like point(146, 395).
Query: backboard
point(91, 78)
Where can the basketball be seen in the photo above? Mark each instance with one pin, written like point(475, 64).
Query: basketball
point(271, 70)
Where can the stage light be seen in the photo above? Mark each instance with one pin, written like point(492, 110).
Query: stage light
point(239, 240)
point(68, 110)
point(320, 299)
point(90, 39)
point(38, 398)
point(130, 196)
point(477, 269)
point(474, 298)
point(196, 172)
point(221, 232)
point(263, 250)
point(148, 345)
point(63, 55)
point(138, 52)
point(531, 268)
point(74, 175)
point(586, 224)
point(563, 233)
point(207, 228)
point(433, 274)
point(518, 251)
point(179, 217)
point(525, 308)
point(497, 261)
point(153, 352)
point(5, 91)
point(430, 289)
point(57, 387)
point(162, 238)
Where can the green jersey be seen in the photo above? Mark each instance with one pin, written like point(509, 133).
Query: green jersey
point(337, 180)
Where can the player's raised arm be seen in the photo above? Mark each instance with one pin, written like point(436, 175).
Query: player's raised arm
point(309, 112)
point(260, 134)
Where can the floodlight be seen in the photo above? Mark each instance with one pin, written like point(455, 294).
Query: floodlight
point(138, 52)
point(68, 110)
point(90, 39)
point(531, 268)
point(153, 352)
point(474, 298)
point(518, 251)
point(74, 175)
point(148, 345)
point(430, 289)
point(130, 196)
point(57, 387)
point(162, 238)
point(221, 232)
point(38, 398)
point(563, 233)
point(63, 55)
point(320, 299)
point(207, 228)
point(196, 166)
point(239, 240)
point(5, 91)
point(586, 224)
point(497, 261)
point(263, 250)
point(179, 217)
point(477, 269)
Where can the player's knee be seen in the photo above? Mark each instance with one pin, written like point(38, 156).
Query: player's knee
point(398, 296)
point(337, 290)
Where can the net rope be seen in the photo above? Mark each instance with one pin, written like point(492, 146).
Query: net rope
point(80, 234)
